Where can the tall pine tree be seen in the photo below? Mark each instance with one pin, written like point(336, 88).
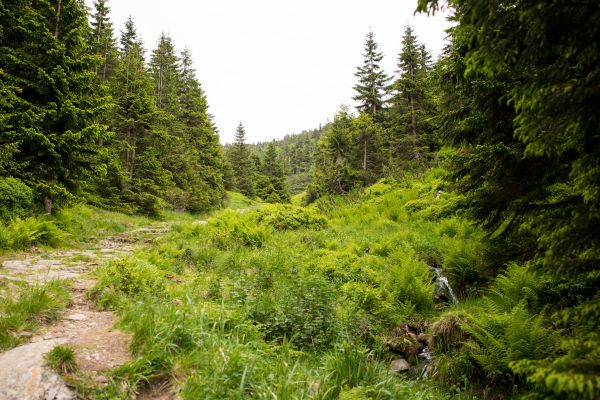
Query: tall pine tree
point(409, 117)
point(101, 40)
point(241, 163)
point(372, 86)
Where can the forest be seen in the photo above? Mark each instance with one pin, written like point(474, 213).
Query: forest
point(441, 240)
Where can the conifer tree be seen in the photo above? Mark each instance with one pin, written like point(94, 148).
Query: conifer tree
point(143, 179)
point(366, 136)
point(101, 40)
point(50, 117)
point(129, 36)
point(372, 86)
point(334, 173)
point(241, 163)
point(272, 185)
point(408, 119)
point(164, 69)
point(204, 159)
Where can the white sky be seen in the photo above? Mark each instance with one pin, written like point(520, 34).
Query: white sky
point(278, 66)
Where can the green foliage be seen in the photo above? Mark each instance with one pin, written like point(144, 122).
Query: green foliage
point(61, 359)
point(409, 282)
point(16, 199)
point(21, 234)
point(288, 217)
point(241, 163)
point(131, 278)
point(51, 115)
point(23, 308)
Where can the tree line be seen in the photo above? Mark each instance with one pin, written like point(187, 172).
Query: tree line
point(393, 131)
point(82, 114)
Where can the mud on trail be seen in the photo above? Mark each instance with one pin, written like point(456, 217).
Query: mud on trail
point(98, 346)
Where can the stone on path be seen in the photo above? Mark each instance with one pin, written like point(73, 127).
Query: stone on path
point(24, 375)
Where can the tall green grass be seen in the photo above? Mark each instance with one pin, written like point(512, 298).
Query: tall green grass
point(23, 308)
point(284, 302)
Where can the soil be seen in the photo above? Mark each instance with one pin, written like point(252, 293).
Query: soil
point(98, 346)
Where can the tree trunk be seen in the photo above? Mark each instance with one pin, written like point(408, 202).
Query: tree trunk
point(365, 155)
point(48, 205)
point(58, 10)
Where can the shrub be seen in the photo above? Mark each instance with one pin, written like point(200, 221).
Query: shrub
point(302, 310)
point(409, 282)
point(23, 233)
point(16, 198)
point(288, 217)
point(129, 277)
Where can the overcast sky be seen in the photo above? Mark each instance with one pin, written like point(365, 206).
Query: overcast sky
point(278, 66)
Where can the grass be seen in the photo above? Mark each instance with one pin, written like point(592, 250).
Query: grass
point(237, 201)
point(284, 301)
point(68, 227)
point(61, 359)
point(23, 308)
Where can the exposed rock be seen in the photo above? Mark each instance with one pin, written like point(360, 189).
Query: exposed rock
point(399, 366)
point(423, 338)
point(404, 341)
point(24, 376)
point(75, 317)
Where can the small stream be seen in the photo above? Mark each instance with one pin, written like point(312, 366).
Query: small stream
point(443, 290)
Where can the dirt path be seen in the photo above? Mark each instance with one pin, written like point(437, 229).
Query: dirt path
point(97, 345)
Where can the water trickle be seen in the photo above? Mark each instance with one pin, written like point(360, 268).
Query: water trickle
point(443, 289)
point(425, 357)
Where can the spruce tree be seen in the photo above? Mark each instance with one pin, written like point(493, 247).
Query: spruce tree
point(205, 166)
point(129, 36)
point(272, 185)
point(408, 119)
point(50, 113)
point(164, 69)
point(367, 157)
point(241, 163)
point(143, 180)
point(372, 86)
point(334, 173)
point(101, 40)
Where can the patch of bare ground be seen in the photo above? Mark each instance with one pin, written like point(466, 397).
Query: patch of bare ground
point(98, 346)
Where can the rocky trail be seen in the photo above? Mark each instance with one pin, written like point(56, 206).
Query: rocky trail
point(98, 346)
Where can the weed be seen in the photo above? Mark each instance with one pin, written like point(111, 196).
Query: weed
point(61, 359)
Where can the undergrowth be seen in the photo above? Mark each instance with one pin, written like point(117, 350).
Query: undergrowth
point(282, 301)
point(23, 308)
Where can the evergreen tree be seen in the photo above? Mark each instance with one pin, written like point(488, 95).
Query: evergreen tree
point(366, 135)
point(408, 119)
point(101, 40)
point(164, 69)
point(272, 185)
point(50, 112)
point(129, 36)
point(521, 110)
point(241, 163)
point(143, 179)
point(334, 173)
point(205, 165)
point(372, 86)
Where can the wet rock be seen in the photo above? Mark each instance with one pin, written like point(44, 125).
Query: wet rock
point(23, 374)
point(399, 366)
